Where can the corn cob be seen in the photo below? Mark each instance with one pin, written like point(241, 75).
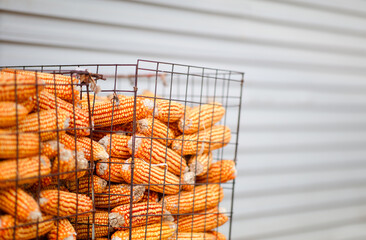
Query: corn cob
point(155, 231)
point(46, 122)
point(66, 167)
point(126, 128)
point(62, 231)
point(46, 101)
point(160, 180)
point(51, 148)
point(219, 172)
point(199, 164)
point(45, 181)
point(203, 141)
point(204, 196)
point(17, 202)
point(119, 194)
point(151, 195)
point(64, 86)
point(142, 214)
point(203, 221)
point(85, 144)
point(119, 147)
point(218, 235)
point(84, 231)
point(201, 117)
point(122, 110)
point(26, 145)
point(55, 202)
point(9, 112)
point(167, 111)
point(173, 127)
point(84, 185)
point(151, 127)
point(26, 170)
point(19, 88)
point(115, 165)
point(194, 236)
point(23, 230)
point(151, 150)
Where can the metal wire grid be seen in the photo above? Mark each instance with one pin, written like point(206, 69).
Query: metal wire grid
point(186, 84)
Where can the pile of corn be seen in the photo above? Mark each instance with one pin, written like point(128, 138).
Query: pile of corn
point(54, 155)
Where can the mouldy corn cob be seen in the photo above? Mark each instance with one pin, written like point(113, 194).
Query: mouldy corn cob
point(62, 231)
point(51, 148)
point(203, 197)
point(84, 184)
point(194, 236)
point(154, 231)
point(199, 164)
point(27, 170)
point(202, 141)
point(17, 87)
point(110, 170)
point(159, 179)
point(25, 145)
point(203, 221)
point(126, 128)
point(19, 204)
point(201, 117)
point(221, 171)
point(218, 235)
point(47, 122)
point(151, 195)
point(9, 112)
point(119, 147)
point(66, 164)
point(24, 230)
point(151, 127)
point(119, 194)
point(66, 204)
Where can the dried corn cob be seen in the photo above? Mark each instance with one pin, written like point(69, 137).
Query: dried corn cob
point(20, 204)
point(16, 87)
point(65, 203)
point(203, 141)
point(218, 235)
point(151, 195)
point(62, 231)
point(194, 236)
point(159, 179)
point(201, 117)
point(115, 165)
point(119, 194)
point(23, 230)
point(203, 221)
point(119, 147)
point(167, 111)
point(25, 145)
point(9, 112)
point(84, 231)
point(203, 196)
point(84, 185)
point(151, 127)
point(46, 122)
point(26, 170)
point(219, 172)
point(126, 128)
point(155, 231)
point(199, 164)
point(66, 167)
point(51, 148)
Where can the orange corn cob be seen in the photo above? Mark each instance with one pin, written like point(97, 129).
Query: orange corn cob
point(66, 167)
point(64, 86)
point(203, 221)
point(203, 141)
point(85, 144)
point(84, 185)
point(23, 230)
point(16, 87)
point(51, 147)
point(123, 111)
point(46, 122)
point(199, 164)
point(119, 147)
point(62, 231)
point(9, 112)
point(115, 165)
point(151, 127)
point(203, 197)
point(119, 194)
point(194, 236)
point(84, 231)
point(151, 150)
point(218, 235)
point(151, 195)
point(166, 110)
point(126, 128)
point(201, 117)
point(26, 145)
point(66, 204)
point(155, 231)
point(28, 169)
point(18, 202)
point(221, 171)
point(141, 176)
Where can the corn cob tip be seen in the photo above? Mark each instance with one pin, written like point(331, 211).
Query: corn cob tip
point(102, 167)
point(138, 192)
point(138, 142)
point(185, 124)
point(104, 141)
point(66, 123)
point(82, 162)
point(102, 155)
point(149, 104)
point(116, 220)
point(188, 177)
point(168, 216)
point(102, 183)
point(143, 125)
point(35, 215)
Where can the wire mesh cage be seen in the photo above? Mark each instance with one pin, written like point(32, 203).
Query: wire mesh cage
point(118, 151)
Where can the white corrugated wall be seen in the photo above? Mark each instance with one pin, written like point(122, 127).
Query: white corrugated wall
point(302, 157)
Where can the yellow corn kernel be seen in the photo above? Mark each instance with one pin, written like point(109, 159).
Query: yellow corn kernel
point(119, 194)
point(21, 146)
point(9, 112)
